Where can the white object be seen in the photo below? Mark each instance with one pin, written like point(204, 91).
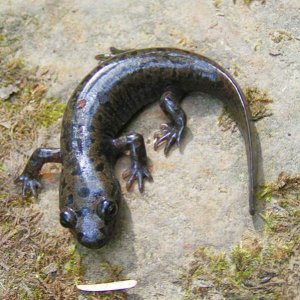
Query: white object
point(110, 286)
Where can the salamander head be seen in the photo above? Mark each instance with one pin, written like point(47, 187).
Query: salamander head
point(91, 221)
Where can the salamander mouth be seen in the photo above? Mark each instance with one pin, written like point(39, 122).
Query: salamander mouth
point(91, 242)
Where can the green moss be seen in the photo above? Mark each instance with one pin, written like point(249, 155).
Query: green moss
point(25, 107)
point(257, 45)
point(285, 184)
point(244, 262)
point(32, 294)
point(37, 109)
point(40, 257)
point(38, 273)
point(265, 193)
point(236, 70)
point(37, 294)
point(219, 263)
point(225, 120)
point(2, 38)
point(258, 102)
point(217, 3)
point(259, 266)
point(111, 272)
point(112, 296)
point(248, 2)
point(280, 35)
point(15, 200)
point(72, 265)
point(49, 111)
point(241, 258)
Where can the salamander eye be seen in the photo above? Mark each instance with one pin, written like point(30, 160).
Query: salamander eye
point(107, 209)
point(68, 218)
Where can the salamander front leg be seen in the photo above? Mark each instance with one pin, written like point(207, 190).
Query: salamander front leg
point(29, 176)
point(172, 132)
point(138, 170)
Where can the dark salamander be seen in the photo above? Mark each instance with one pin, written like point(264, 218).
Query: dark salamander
point(101, 106)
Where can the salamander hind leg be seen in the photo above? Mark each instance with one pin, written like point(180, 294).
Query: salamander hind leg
point(172, 132)
point(138, 170)
point(29, 176)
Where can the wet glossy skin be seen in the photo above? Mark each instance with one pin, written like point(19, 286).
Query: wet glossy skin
point(97, 112)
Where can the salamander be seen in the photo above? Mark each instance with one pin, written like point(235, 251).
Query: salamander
point(91, 141)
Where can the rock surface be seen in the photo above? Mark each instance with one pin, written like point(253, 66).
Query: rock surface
point(199, 194)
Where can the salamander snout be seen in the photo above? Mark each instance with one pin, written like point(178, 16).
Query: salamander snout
point(92, 240)
point(90, 230)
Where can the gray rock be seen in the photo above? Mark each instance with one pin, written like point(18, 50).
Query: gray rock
point(199, 194)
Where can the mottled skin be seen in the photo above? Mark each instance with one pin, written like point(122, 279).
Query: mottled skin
point(101, 106)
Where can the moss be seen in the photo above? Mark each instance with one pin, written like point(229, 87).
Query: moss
point(26, 108)
point(109, 273)
point(284, 185)
point(257, 45)
point(28, 254)
point(49, 112)
point(217, 3)
point(219, 263)
point(39, 265)
point(236, 70)
point(111, 296)
point(114, 272)
point(244, 262)
point(280, 35)
point(37, 293)
point(72, 265)
point(225, 120)
point(259, 267)
point(2, 38)
point(258, 103)
point(40, 250)
point(249, 2)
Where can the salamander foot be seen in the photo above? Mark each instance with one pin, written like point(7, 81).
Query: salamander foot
point(29, 184)
point(33, 167)
point(137, 172)
point(170, 134)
